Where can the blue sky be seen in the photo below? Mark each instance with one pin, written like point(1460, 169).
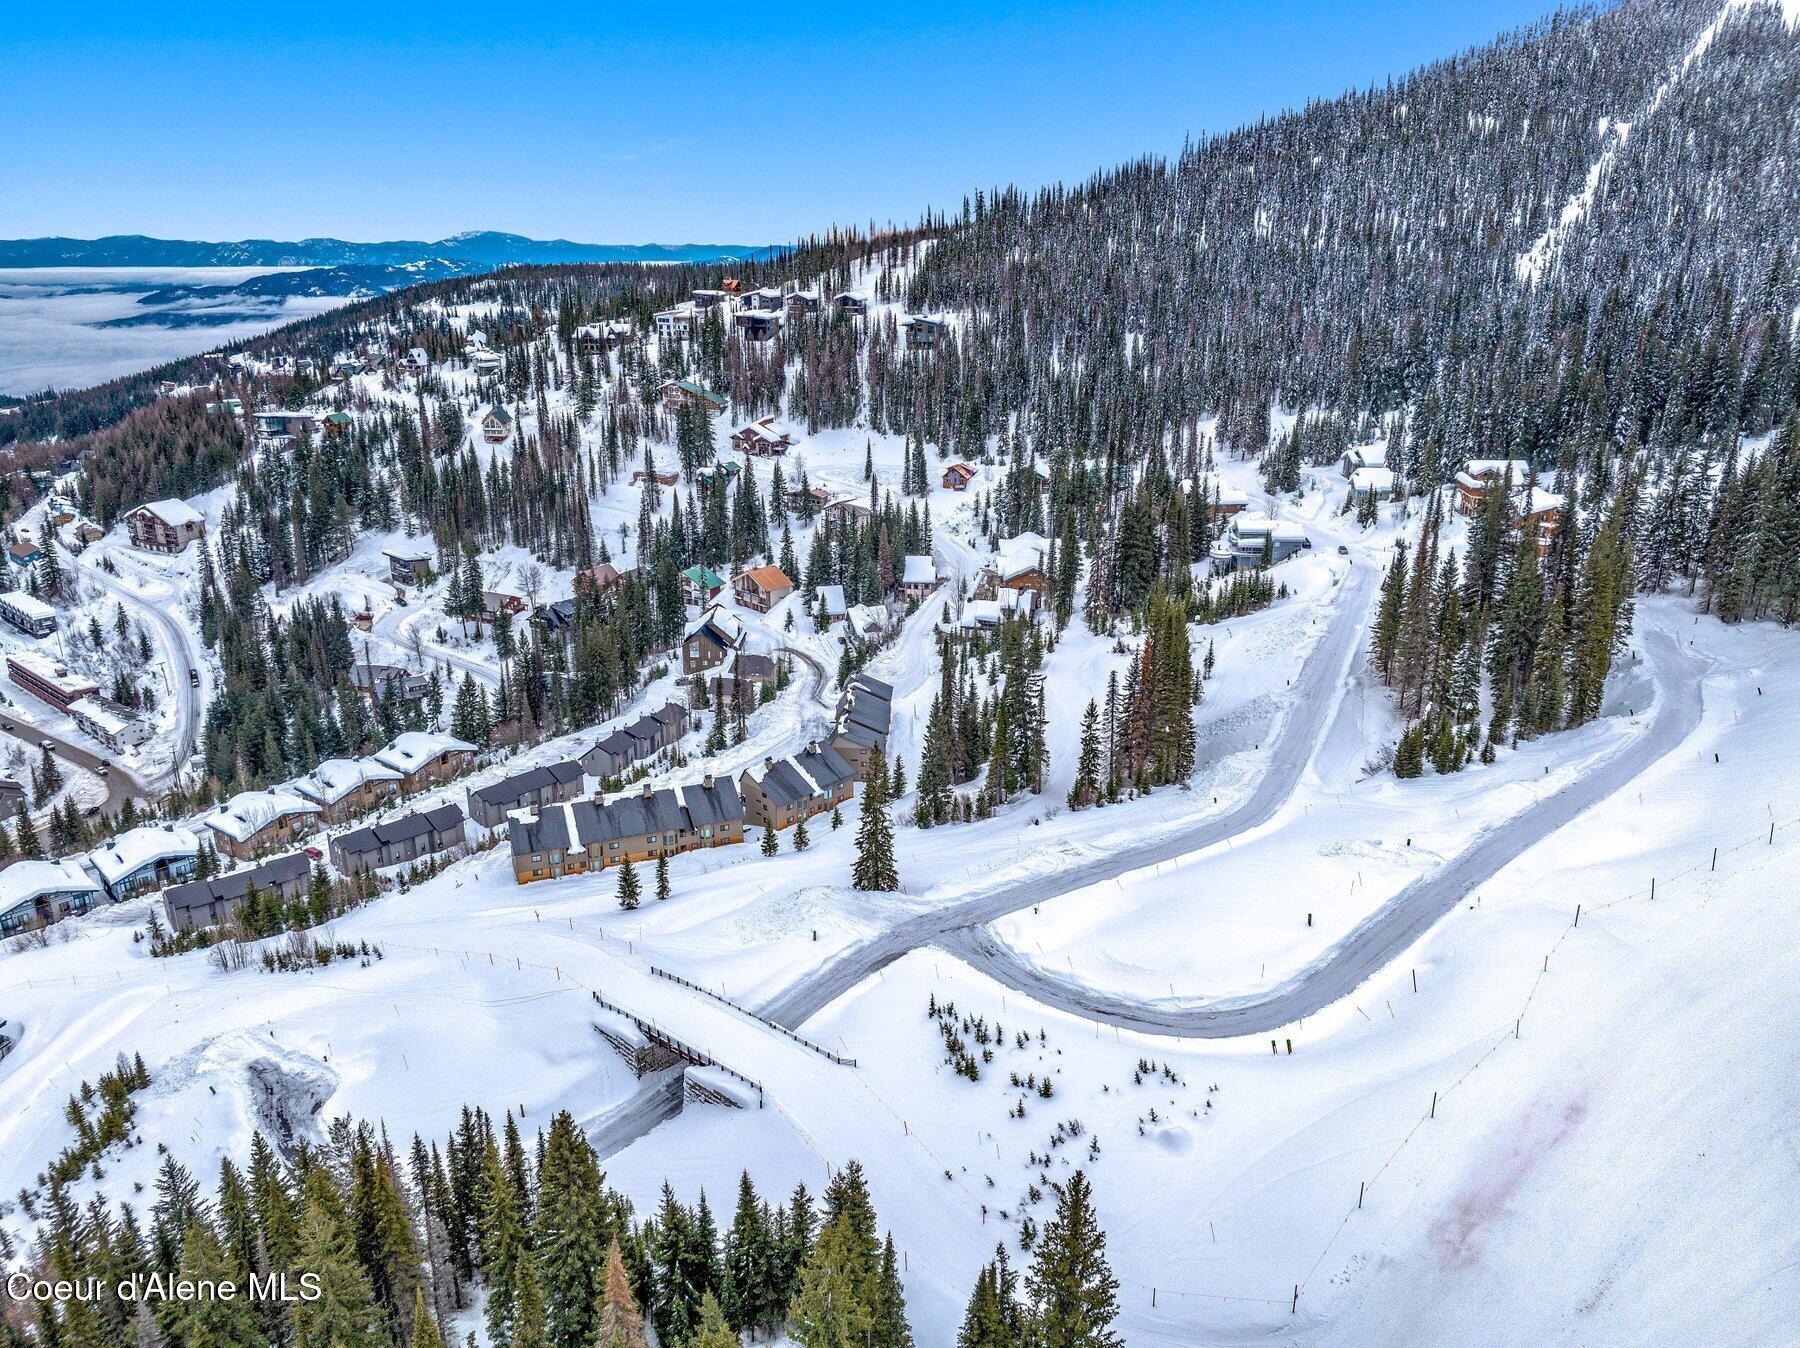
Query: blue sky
point(687, 123)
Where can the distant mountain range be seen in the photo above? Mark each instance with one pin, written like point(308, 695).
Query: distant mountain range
point(477, 250)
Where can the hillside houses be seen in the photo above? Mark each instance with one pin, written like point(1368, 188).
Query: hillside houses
point(532, 789)
point(918, 576)
point(760, 439)
point(199, 904)
point(164, 526)
point(700, 585)
point(398, 842)
point(496, 424)
point(343, 788)
point(109, 723)
point(959, 475)
point(707, 643)
point(1479, 476)
point(1252, 541)
point(779, 793)
point(762, 587)
point(865, 718)
point(584, 835)
point(49, 680)
point(145, 858)
point(643, 739)
point(36, 893)
point(254, 822)
point(1019, 563)
point(424, 757)
point(679, 393)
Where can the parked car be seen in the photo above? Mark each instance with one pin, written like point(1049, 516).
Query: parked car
point(315, 853)
point(101, 770)
point(193, 678)
point(1343, 549)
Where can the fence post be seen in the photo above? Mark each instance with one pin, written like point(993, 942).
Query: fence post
point(1362, 1187)
point(1434, 1104)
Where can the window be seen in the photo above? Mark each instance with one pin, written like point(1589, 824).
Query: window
point(537, 858)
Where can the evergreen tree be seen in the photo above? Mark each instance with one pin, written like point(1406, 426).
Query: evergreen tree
point(1073, 1292)
point(629, 888)
point(875, 867)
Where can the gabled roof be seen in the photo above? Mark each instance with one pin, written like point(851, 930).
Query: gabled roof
point(173, 513)
point(498, 413)
point(767, 578)
point(529, 782)
point(703, 576)
point(416, 748)
point(919, 570)
point(277, 871)
point(249, 812)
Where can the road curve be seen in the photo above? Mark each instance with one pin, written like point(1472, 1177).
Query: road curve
point(1389, 931)
point(1316, 694)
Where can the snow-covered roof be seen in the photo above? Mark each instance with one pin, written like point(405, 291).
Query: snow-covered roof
point(174, 513)
point(1537, 502)
point(990, 612)
point(416, 748)
point(832, 596)
point(249, 812)
point(1365, 456)
point(865, 619)
point(29, 605)
point(729, 625)
point(920, 570)
point(24, 881)
point(336, 778)
point(1213, 488)
point(140, 847)
point(1518, 469)
point(105, 713)
point(1375, 477)
point(1018, 555)
point(55, 674)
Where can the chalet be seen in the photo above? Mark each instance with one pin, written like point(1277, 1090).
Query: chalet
point(711, 299)
point(1479, 475)
point(959, 475)
point(24, 551)
point(254, 822)
point(847, 303)
point(276, 425)
point(557, 616)
point(337, 423)
point(27, 613)
point(485, 363)
point(808, 498)
point(639, 476)
point(422, 757)
point(1377, 478)
point(398, 842)
point(164, 526)
point(701, 584)
point(1221, 502)
point(762, 587)
point(117, 727)
point(1019, 563)
point(726, 470)
point(801, 303)
point(1541, 513)
point(923, 333)
point(592, 338)
point(919, 576)
point(983, 614)
point(48, 680)
point(869, 624)
point(345, 367)
point(757, 327)
point(865, 717)
point(415, 360)
point(708, 642)
point(199, 904)
point(602, 578)
point(830, 600)
point(496, 425)
point(411, 562)
point(1362, 456)
point(145, 858)
point(845, 509)
point(36, 893)
point(744, 676)
point(495, 602)
point(679, 393)
point(381, 682)
point(531, 790)
point(677, 324)
point(780, 793)
point(343, 788)
point(760, 439)
point(581, 836)
point(1252, 541)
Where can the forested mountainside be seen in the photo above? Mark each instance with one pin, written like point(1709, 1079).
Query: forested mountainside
point(1574, 246)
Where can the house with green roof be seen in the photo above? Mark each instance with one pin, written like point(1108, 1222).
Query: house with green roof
point(679, 393)
point(700, 584)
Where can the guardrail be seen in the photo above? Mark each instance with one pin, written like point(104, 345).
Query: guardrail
point(686, 1052)
point(764, 1021)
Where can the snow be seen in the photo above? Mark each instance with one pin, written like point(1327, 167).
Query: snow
point(416, 748)
point(336, 778)
point(249, 812)
point(173, 513)
point(139, 847)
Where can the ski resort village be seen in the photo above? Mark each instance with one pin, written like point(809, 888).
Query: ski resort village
point(1032, 778)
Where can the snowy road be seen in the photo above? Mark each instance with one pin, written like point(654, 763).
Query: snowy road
point(395, 627)
point(152, 602)
point(1316, 695)
point(1387, 933)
